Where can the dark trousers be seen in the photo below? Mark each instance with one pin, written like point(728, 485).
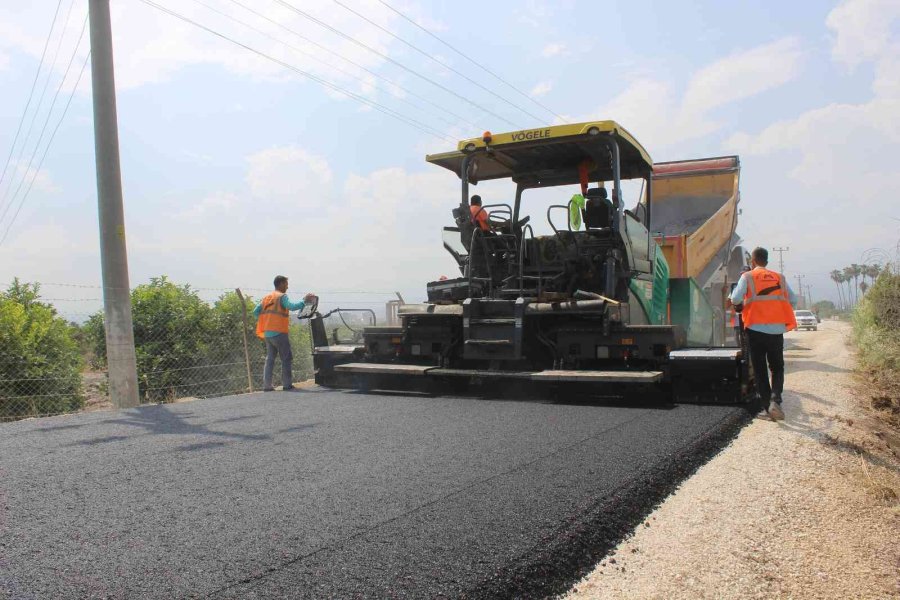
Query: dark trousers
point(275, 346)
point(767, 354)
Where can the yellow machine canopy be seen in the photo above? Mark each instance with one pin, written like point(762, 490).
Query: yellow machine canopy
point(550, 156)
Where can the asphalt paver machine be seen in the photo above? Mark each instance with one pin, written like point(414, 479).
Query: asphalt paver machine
point(611, 302)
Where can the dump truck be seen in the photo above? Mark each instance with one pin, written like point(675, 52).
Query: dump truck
point(694, 222)
point(609, 302)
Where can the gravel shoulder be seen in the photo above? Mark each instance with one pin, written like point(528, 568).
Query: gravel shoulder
point(806, 508)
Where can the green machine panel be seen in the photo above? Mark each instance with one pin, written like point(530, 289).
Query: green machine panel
point(691, 310)
point(653, 294)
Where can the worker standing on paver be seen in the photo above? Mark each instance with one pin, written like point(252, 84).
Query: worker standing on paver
point(765, 301)
point(273, 314)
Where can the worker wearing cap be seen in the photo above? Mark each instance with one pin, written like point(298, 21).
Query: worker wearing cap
point(273, 313)
point(479, 215)
point(766, 304)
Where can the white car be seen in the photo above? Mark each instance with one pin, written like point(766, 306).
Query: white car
point(806, 320)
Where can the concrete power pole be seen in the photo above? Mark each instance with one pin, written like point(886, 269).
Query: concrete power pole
point(781, 252)
point(123, 388)
point(800, 287)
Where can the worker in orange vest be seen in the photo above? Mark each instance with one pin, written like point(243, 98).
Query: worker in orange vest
point(479, 215)
point(273, 313)
point(765, 301)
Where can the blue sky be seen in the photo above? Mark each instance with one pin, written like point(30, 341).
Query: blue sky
point(236, 168)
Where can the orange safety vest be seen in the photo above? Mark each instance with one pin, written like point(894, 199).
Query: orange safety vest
point(273, 316)
point(766, 301)
point(481, 219)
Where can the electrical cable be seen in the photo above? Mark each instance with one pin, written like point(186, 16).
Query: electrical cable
point(392, 61)
point(47, 149)
point(31, 93)
point(474, 62)
point(40, 103)
point(434, 59)
point(304, 52)
point(356, 64)
point(44, 129)
point(379, 107)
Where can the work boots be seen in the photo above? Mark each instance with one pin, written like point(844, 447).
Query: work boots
point(774, 409)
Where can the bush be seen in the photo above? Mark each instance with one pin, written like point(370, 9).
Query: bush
point(40, 361)
point(876, 329)
point(185, 347)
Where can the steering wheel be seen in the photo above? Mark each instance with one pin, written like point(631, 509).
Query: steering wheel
point(309, 309)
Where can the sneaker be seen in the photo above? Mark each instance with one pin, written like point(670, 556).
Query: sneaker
point(775, 411)
point(288, 388)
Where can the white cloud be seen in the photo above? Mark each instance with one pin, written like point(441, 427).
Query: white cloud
point(650, 108)
point(287, 173)
point(151, 46)
point(541, 89)
point(215, 203)
point(554, 49)
point(742, 75)
point(835, 139)
point(833, 167)
point(18, 178)
point(862, 29)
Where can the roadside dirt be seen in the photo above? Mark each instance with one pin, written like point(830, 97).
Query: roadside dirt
point(805, 508)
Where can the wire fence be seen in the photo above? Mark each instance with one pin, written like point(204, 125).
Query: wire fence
point(185, 347)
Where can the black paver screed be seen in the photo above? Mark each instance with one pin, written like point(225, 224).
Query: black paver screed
point(318, 494)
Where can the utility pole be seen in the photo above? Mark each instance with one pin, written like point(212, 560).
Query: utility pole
point(781, 252)
point(120, 358)
point(800, 287)
point(809, 295)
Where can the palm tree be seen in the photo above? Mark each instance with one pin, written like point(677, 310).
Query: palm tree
point(837, 278)
point(848, 277)
point(873, 271)
point(864, 286)
point(857, 270)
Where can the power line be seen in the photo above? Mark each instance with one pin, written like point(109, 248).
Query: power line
point(31, 93)
point(356, 64)
point(44, 129)
point(391, 60)
point(47, 148)
point(377, 106)
point(304, 52)
point(474, 62)
point(41, 97)
point(433, 59)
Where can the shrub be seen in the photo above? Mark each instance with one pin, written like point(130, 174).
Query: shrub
point(40, 361)
point(185, 347)
point(876, 330)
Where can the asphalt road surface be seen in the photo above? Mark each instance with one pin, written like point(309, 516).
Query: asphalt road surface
point(318, 493)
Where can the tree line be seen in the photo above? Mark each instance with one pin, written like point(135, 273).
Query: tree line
point(184, 346)
point(850, 277)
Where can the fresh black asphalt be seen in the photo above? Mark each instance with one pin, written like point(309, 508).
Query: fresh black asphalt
point(321, 494)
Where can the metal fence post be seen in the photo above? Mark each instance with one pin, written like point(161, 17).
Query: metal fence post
point(244, 331)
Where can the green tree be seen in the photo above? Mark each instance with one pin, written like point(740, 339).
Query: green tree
point(173, 333)
point(40, 362)
point(848, 279)
point(837, 278)
point(185, 347)
point(824, 308)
